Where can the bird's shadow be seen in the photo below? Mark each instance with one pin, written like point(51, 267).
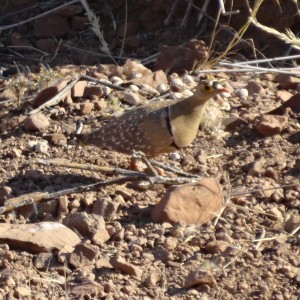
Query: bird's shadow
point(55, 183)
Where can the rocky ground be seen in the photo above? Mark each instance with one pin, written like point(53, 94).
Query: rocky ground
point(109, 241)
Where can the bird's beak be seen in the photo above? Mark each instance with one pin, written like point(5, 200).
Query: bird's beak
point(222, 89)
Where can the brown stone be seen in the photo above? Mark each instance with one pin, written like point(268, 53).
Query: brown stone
point(80, 22)
point(287, 81)
point(93, 90)
point(83, 255)
point(179, 58)
point(39, 237)
point(48, 93)
point(58, 139)
point(86, 107)
point(269, 125)
point(193, 203)
point(283, 95)
point(200, 278)
point(119, 263)
point(51, 25)
point(78, 88)
point(90, 226)
point(217, 247)
point(255, 88)
point(292, 223)
point(293, 103)
point(36, 122)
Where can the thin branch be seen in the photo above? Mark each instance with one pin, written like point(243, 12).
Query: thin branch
point(57, 98)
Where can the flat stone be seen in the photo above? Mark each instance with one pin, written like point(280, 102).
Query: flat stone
point(119, 263)
point(39, 237)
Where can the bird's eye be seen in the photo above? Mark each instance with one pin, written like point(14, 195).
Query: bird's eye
point(207, 88)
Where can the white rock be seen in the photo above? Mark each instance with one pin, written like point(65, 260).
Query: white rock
point(147, 88)
point(116, 80)
point(242, 93)
point(134, 88)
point(188, 79)
point(132, 98)
point(162, 88)
point(136, 75)
point(175, 156)
point(225, 106)
point(42, 147)
point(106, 90)
point(30, 145)
point(177, 84)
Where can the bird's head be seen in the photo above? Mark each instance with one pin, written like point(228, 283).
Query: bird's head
point(208, 89)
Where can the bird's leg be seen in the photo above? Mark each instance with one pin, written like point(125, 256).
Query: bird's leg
point(141, 156)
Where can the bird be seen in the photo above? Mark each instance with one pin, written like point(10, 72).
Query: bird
point(156, 127)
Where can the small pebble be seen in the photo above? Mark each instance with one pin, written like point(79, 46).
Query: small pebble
point(42, 147)
point(174, 156)
point(242, 93)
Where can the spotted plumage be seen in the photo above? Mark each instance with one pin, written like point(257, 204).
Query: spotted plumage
point(156, 127)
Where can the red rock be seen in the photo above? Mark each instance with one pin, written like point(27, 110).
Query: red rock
point(36, 122)
point(93, 90)
point(283, 95)
point(51, 26)
point(132, 67)
point(81, 289)
point(83, 255)
point(119, 263)
point(58, 139)
point(48, 93)
point(269, 125)
point(292, 223)
point(78, 88)
point(86, 107)
point(159, 77)
point(193, 203)
point(287, 81)
point(257, 167)
point(217, 247)
point(80, 22)
point(200, 278)
point(105, 207)
point(293, 103)
point(98, 75)
point(39, 237)
point(179, 58)
point(254, 87)
point(101, 105)
point(88, 225)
